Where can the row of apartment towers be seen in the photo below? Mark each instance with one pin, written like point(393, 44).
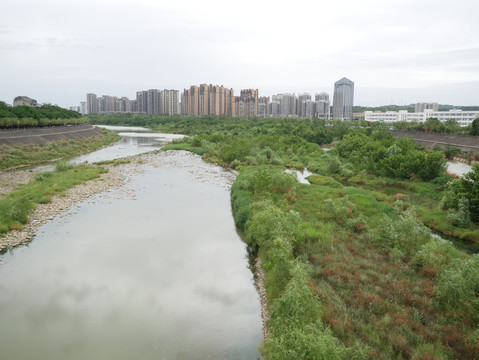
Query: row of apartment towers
point(217, 100)
point(197, 101)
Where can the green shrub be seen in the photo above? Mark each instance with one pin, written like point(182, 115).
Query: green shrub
point(283, 182)
point(62, 165)
point(436, 253)
point(339, 209)
point(269, 223)
point(261, 181)
point(458, 286)
point(324, 181)
point(460, 217)
point(403, 232)
point(334, 165)
point(296, 324)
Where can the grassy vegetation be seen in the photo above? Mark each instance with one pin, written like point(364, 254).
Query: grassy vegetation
point(352, 273)
point(17, 155)
point(350, 269)
point(17, 205)
point(113, 162)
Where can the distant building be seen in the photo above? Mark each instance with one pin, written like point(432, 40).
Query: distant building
point(142, 101)
point(343, 99)
point(91, 104)
point(169, 102)
point(301, 105)
point(83, 107)
point(24, 101)
point(420, 107)
point(288, 104)
point(463, 118)
point(249, 98)
point(263, 106)
point(358, 116)
point(322, 106)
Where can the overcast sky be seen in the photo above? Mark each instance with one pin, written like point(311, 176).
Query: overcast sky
point(400, 52)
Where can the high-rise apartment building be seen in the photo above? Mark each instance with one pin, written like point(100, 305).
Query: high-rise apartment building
point(343, 99)
point(204, 105)
point(91, 104)
point(302, 99)
point(169, 102)
point(214, 100)
point(263, 106)
point(142, 101)
point(249, 100)
point(323, 106)
point(288, 104)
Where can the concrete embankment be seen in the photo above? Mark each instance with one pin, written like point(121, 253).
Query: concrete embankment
point(466, 143)
point(38, 136)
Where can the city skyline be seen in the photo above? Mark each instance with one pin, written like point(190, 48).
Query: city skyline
point(397, 52)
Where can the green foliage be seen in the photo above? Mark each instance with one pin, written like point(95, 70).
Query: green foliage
point(63, 165)
point(451, 151)
point(241, 201)
point(475, 127)
point(402, 232)
point(458, 286)
point(436, 253)
point(379, 153)
point(334, 165)
point(13, 210)
point(236, 148)
point(324, 181)
point(461, 217)
point(462, 195)
point(296, 324)
point(269, 224)
point(46, 115)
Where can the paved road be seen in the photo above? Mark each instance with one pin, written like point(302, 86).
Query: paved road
point(38, 136)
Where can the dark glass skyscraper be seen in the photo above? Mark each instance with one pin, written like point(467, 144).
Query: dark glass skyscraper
point(343, 99)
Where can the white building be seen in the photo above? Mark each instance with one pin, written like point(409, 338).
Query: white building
point(463, 118)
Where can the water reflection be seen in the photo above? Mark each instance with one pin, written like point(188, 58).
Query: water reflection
point(458, 168)
point(300, 175)
point(154, 270)
point(131, 143)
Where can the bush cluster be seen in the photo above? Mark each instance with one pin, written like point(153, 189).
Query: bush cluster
point(380, 154)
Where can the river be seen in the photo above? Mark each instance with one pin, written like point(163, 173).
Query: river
point(152, 270)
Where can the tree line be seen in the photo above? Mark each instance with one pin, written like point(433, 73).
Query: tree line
point(45, 115)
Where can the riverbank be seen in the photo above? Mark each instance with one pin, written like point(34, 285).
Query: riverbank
point(19, 155)
point(59, 204)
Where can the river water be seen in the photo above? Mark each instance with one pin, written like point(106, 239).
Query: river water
point(151, 270)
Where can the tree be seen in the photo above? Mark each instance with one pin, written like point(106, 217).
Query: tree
point(475, 127)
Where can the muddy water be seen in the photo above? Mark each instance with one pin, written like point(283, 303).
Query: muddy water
point(153, 270)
